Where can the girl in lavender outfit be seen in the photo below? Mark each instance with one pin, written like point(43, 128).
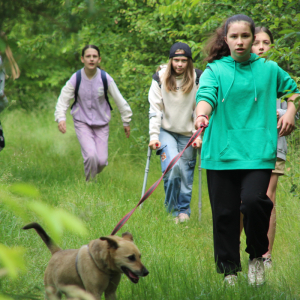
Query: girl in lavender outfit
point(91, 112)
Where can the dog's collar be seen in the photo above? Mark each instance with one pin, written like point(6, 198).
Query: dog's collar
point(76, 267)
point(110, 274)
point(76, 264)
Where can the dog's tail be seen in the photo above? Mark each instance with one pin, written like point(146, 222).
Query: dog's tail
point(45, 237)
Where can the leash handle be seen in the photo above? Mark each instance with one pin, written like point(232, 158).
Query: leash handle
point(154, 186)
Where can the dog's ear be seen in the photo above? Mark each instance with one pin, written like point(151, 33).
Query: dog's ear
point(111, 242)
point(127, 236)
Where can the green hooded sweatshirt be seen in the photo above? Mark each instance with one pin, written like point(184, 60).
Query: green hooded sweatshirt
point(242, 132)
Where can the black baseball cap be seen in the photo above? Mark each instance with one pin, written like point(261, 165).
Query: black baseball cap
point(183, 46)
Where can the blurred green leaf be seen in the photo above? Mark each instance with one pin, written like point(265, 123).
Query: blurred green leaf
point(14, 205)
point(71, 223)
point(5, 298)
point(24, 189)
point(12, 260)
point(285, 31)
point(57, 220)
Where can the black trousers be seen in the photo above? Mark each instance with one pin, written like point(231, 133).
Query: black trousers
point(232, 191)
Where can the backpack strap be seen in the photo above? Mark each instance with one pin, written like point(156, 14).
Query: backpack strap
point(157, 79)
point(78, 80)
point(104, 80)
point(198, 74)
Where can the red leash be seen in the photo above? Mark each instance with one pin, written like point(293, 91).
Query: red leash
point(155, 185)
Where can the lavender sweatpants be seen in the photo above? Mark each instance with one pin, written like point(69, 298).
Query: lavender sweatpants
point(94, 147)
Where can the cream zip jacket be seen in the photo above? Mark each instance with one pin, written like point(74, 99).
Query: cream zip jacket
point(172, 111)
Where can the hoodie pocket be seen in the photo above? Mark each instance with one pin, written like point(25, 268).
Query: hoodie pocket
point(248, 144)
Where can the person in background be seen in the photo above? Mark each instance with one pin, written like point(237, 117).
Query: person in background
point(239, 91)
point(171, 125)
point(91, 112)
point(262, 43)
point(15, 73)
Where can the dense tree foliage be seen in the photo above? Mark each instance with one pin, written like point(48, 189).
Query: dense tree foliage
point(134, 38)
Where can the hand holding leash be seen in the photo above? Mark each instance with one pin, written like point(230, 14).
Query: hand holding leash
point(201, 119)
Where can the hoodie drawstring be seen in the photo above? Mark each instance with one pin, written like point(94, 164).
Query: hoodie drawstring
point(255, 94)
point(231, 82)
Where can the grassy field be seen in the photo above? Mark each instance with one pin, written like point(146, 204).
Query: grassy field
point(178, 257)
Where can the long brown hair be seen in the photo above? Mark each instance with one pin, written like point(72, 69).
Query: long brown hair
point(216, 46)
point(15, 71)
point(169, 77)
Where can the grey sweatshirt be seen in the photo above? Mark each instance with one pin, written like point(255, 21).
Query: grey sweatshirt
point(281, 143)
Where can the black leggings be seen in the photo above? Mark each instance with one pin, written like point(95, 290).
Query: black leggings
point(232, 191)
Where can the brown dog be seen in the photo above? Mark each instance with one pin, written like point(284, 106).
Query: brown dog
point(96, 267)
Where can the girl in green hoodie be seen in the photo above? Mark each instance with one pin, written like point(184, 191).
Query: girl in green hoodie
point(239, 90)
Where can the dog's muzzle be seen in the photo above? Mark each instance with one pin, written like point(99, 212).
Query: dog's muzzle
point(133, 276)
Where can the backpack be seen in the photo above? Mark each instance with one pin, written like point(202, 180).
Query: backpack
point(104, 80)
point(198, 74)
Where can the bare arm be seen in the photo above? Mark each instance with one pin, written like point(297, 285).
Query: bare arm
point(287, 121)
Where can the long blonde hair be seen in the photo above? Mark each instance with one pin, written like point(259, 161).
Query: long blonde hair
point(169, 77)
point(15, 71)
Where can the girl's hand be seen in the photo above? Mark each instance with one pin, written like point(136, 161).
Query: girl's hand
point(277, 115)
point(197, 143)
point(62, 127)
point(127, 131)
point(287, 124)
point(199, 121)
point(155, 144)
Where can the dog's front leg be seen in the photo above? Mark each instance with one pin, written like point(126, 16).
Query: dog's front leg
point(52, 293)
point(110, 292)
point(110, 296)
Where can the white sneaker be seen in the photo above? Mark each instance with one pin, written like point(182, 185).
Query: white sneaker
point(256, 272)
point(183, 217)
point(230, 280)
point(268, 262)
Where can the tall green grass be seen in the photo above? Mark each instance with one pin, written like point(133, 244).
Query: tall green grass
point(178, 257)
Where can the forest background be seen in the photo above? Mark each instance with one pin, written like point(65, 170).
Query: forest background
point(134, 37)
